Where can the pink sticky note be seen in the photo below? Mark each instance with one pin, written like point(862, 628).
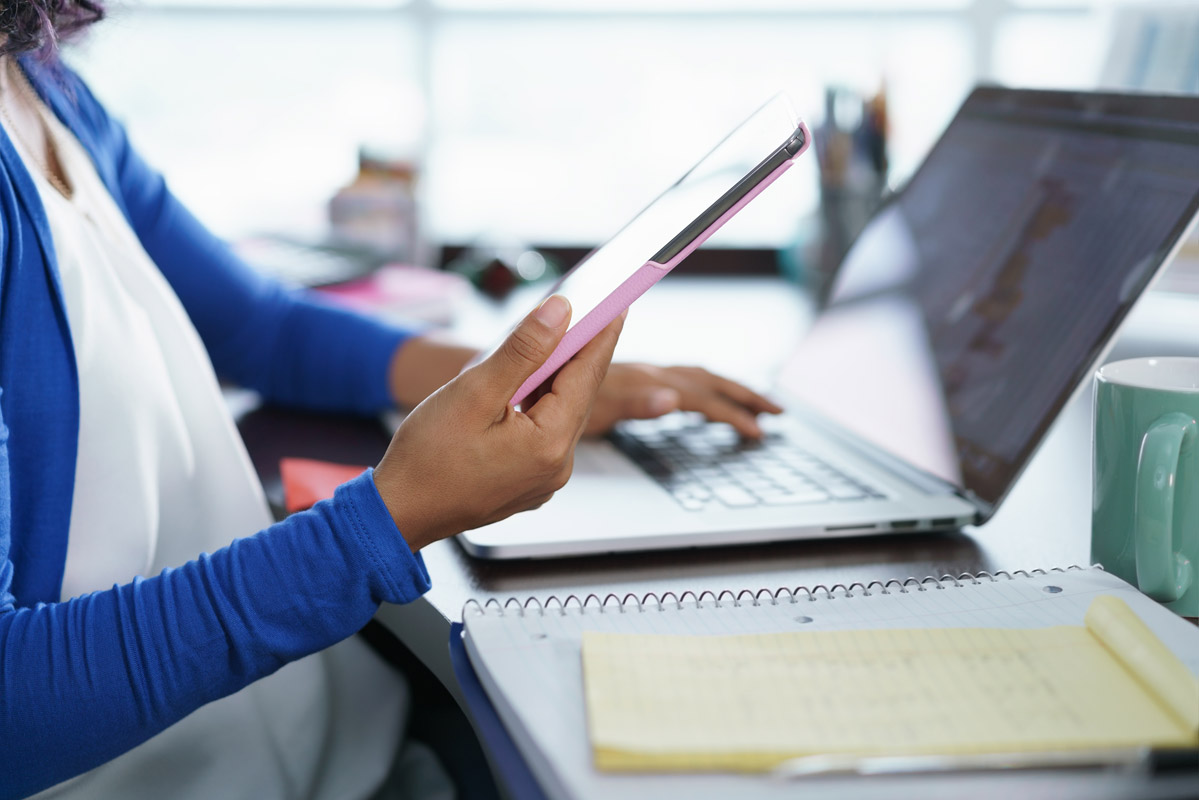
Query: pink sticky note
point(403, 292)
point(306, 482)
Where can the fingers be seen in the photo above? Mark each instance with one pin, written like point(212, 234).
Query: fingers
point(525, 349)
point(647, 402)
point(721, 409)
point(742, 394)
point(573, 390)
point(722, 400)
point(624, 402)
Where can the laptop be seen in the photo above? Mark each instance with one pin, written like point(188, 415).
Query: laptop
point(970, 309)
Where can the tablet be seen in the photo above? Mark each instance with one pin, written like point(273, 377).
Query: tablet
point(612, 276)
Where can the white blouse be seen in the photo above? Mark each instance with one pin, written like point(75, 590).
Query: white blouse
point(161, 476)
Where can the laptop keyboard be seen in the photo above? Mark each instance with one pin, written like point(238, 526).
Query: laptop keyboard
point(708, 465)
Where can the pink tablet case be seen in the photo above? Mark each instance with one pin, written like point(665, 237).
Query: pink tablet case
point(636, 285)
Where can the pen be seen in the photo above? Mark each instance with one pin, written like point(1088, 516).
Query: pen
point(1128, 759)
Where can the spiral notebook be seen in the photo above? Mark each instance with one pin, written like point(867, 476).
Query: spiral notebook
point(528, 656)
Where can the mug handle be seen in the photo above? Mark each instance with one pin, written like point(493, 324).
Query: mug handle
point(1162, 573)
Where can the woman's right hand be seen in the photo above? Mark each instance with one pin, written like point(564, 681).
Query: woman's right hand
point(465, 458)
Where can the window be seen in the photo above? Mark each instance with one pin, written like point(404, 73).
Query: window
point(543, 120)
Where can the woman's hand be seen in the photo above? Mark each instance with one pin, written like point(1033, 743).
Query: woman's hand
point(465, 458)
point(641, 391)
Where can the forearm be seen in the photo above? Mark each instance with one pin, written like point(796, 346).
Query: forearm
point(324, 357)
point(421, 365)
point(87, 679)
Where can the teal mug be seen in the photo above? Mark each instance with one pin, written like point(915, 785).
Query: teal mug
point(1145, 508)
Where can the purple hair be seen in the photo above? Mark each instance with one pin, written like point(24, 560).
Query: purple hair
point(39, 25)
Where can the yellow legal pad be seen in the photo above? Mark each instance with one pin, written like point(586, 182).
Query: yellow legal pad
point(748, 703)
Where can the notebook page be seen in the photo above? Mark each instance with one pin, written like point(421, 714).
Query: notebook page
point(530, 665)
point(731, 702)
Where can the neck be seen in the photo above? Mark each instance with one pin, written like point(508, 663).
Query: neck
point(19, 108)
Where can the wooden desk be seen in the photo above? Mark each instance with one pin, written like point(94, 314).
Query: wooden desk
point(1045, 522)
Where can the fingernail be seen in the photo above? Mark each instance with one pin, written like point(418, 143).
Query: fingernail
point(662, 401)
point(552, 311)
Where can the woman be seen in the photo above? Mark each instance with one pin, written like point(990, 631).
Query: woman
point(229, 670)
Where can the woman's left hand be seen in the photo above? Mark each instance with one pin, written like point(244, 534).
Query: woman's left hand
point(642, 391)
point(631, 391)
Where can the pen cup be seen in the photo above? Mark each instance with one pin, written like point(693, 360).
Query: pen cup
point(1145, 507)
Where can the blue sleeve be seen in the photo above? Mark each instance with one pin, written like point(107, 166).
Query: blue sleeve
point(85, 680)
point(289, 345)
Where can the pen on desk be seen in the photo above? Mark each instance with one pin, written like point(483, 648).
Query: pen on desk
point(1133, 759)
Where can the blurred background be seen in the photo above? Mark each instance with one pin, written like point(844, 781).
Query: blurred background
point(421, 128)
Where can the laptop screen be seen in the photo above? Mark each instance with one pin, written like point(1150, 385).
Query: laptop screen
point(979, 298)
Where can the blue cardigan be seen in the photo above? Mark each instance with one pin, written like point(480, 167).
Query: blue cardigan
point(85, 679)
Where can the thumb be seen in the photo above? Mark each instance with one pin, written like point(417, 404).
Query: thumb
point(649, 402)
point(526, 348)
point(642, 402)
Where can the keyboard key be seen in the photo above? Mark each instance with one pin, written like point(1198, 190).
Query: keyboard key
point(695, 490)
point(757, 485)
point(719, 433)
point(795, 482)
point(734, 496)
point(796, 498)
point(707, 473)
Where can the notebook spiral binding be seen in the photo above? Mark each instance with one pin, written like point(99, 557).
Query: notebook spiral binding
point(650, 600)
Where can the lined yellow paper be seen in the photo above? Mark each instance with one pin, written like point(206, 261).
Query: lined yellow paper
point(748, 703)
point(1146, 658)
